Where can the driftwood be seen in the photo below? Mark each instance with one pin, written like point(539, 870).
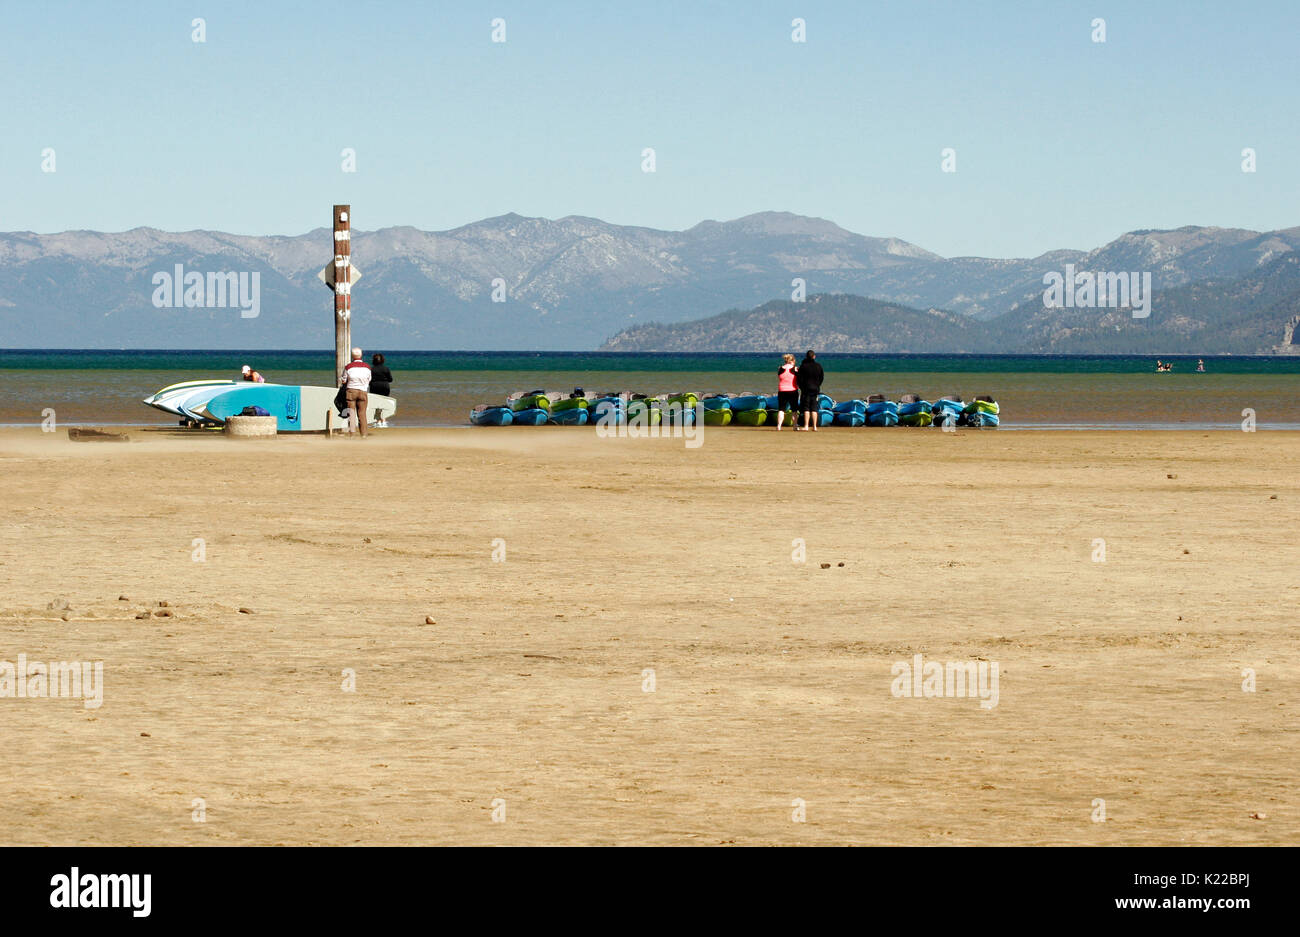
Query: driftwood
point(84, 434)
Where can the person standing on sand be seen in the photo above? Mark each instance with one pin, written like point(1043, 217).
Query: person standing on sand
point(787, 392)
point(356, 381)
point(381, 382)
point(809, 378)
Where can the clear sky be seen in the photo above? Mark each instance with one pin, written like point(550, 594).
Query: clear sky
point(1060, 141)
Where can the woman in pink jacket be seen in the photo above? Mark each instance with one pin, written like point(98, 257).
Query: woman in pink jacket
point(787, 393)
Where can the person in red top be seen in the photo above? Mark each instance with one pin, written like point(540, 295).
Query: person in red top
point(356, 384)
point(787, 393)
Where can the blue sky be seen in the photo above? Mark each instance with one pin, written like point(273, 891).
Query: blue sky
point(1060, 141)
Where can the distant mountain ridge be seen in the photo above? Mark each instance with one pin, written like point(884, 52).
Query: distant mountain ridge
point(568, 283)
point(1258, 313)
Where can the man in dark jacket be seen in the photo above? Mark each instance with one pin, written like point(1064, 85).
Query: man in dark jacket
point(810, 390)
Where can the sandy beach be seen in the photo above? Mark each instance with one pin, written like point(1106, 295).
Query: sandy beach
point(624, 650)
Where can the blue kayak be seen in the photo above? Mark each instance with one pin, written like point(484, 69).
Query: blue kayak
point(492, 416)
point(576, 416)
point(716, 403)
point(749, 402)
point(608, 411)
point(884, 413)
point(825, 417)
point(946, 409)
point(849, 418)
point(851, 406)
point(533, 416)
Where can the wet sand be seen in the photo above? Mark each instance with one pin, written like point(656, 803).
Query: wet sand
point(770, 690)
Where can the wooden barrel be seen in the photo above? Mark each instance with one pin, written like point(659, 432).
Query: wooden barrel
point(250, 427)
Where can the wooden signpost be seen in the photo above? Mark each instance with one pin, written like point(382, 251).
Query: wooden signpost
point(339, 275)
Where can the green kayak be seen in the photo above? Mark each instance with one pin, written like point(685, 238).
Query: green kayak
point(569, 403)
point(531, 402)
point(717, 417)
point(646, 412)
point(750, 417)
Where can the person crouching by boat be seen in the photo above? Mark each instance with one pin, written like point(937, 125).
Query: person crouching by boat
point(787, 392)
point(381, 382)
point(356, 381)
point(809, 379)
point(250, 375)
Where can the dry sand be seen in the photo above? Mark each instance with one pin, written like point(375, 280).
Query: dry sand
point(1119, 680)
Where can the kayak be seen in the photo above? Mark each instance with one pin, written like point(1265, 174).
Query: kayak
point(981, 405)
point(851, 406)
point(749, 417)
point(915, 413)
point(536, 400)
point(686, 401)
point(849, 417)
point(675, 415)
point(716, 403)
point(608, 411)
point(575, 416)
point(720, 417)
point(533, 416)
point(569, 403)
point(825, 417)
point(749, 402)
point(644, 411)
point(882, 413)
point(947, 410)
point(491, 416)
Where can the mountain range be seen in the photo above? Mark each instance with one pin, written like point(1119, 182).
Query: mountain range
point(1258, 313)
point(576, 282)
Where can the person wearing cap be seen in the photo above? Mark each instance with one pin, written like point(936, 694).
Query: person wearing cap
point(356, 384)
point(251, 375)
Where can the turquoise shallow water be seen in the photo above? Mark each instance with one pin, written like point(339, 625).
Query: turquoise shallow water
point(439, 388)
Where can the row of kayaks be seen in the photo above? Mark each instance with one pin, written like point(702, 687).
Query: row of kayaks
point(537, 408)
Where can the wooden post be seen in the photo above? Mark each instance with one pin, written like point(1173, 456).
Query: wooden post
point(342, 289)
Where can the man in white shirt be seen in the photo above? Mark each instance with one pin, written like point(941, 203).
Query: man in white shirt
point(356, 382)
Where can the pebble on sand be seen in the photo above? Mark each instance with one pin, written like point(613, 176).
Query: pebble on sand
point(163, 603)
point(828, 565)
point(1259, 816)
point(245, 611)
point(123, 598)
point(428, 620)
point(145, 614)
point(164, 613)
point(59, 604)
point(67, 616)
